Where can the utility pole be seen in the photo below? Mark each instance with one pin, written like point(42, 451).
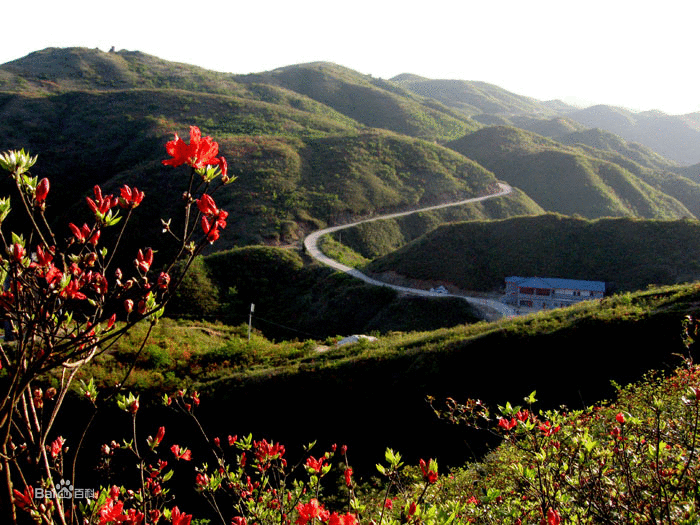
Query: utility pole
point(250, 319)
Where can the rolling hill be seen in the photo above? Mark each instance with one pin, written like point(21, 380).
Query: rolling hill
point(568, 179)
point(626, 253)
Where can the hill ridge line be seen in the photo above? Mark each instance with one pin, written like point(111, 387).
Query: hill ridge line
point(311, 247)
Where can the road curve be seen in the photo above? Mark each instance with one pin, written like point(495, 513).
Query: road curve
point(311, 245)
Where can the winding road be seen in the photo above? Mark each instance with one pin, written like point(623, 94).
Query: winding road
point(311, 245)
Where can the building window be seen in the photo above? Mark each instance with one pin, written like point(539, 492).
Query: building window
point(542, 291)
point(527, 291)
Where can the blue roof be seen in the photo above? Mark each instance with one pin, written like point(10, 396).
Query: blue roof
point(553, 282)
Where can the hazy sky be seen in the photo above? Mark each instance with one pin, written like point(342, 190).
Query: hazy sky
point(640, 55)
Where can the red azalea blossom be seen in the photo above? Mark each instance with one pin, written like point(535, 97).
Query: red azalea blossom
point(311, 510)
point(547, 428)
point(239, 520)
point(24, 499)
point(201, 481)
point(620, 418)
point(57, 447)
point(316, 465)
point(101, 205)
point(553, 517)
point(42, 190)
point(505, 424)
point(348, 476)
point(412, 508)
point(199, 153)
point(180, 518)
point(144, 260)
point(345, 519)
point(17, 252)
point(130, 197)
point(84, 234)
point(163, 280)
point(183, 454)
point(429, 471)
point(111, 511)
point(72, 291)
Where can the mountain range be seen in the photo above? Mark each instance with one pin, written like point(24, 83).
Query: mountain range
point(315, 144)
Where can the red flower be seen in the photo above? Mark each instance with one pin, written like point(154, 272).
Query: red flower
point(348, 476)
point(547, 428)
point(239, 520)
point(412, 508)
point(180, 518)
point(163, 280)
point(84, 234)
point(129, 306)
point(553, 517)
point(505, 424)
point(212, 217)
point(223, 165)
point(42, 190)
point(201, 481)
point(207, 205)
point(144, 261)
point(130, 198)
point(199, 153)
point(44, 258)
point(24, 499)
point(111, 511)
point(71, 291)
point(311, 510)
point(101, 205)
point(429, 471)
point(17, 252)
point(620, 418)
point(315, 465)
point(183, 454)
point(346, 519)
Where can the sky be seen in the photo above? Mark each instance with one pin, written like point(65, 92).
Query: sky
point(638, 55)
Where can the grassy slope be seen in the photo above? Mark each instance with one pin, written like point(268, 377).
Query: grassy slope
point(629, 254)
point(384, 384)
point(565, 179)
point(373, 102)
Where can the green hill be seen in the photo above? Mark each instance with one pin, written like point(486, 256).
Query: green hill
point(565, 179)
point(295, 299)
point(472, 98)
point(373, 102)
point(673, 136)
point(628, 254)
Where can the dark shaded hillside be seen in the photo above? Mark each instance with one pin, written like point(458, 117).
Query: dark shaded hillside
point(628, 254)
point(385, 384)
point(565, 179)
point(298, 300)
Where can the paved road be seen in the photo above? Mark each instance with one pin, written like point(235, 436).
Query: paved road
point(311, 245)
